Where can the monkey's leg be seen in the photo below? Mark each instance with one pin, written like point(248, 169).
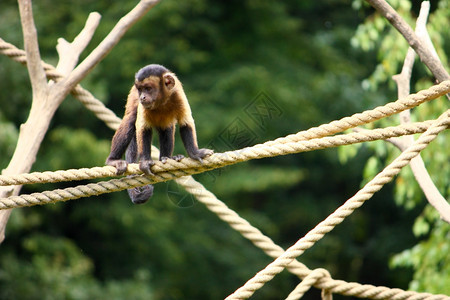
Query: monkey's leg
point(144, 141)
point(120, 141)
point(131, 153)
point(189, 139)
point(138, 195)
point(166, 143)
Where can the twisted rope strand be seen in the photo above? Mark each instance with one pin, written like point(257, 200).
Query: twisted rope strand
point(178, 169)
point(369, 116)
point(83, 95)
point(220, 159)
point(307, 283)
point(342, 212)
point(113, 121)
point(215, 205)
point(273, 250)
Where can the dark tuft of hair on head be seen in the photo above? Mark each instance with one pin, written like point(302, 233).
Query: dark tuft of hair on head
point(150, 70)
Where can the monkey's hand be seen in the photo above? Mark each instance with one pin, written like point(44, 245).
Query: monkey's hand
point(201, 153)
point(178, 157)
point(145, 165)
point(119, 164)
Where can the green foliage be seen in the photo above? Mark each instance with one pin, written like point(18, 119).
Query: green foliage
point(428, 257)
point(63, 146)
point(264, 178)
point(58, 270)
point(8, 139)
point(235, 59)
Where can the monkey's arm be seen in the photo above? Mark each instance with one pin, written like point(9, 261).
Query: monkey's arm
point(120, 142)
point(189, 138)
point(166, 143)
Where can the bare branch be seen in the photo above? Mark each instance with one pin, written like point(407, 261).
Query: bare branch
point(33, 131)
point(421, 29)
point(420, 172)
point(397, 142)
point(425, 54)
point(4, 215)
point(69, 53)
point(35, 70)
point(403, 79)
point(109, 42)
point(46, 99)
point(431, 192)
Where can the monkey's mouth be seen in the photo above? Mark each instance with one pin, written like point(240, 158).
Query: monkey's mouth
point(148, 104)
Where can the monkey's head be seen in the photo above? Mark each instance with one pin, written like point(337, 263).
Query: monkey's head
point(154, 84)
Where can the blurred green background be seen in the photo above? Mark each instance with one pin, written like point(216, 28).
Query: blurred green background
point(253, 71)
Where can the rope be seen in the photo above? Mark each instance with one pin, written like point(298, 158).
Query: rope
point(263, 242)
point(108, 116)
point(342, 212)
point(325, 282)
point(176, 169)
point(190, 166)
point(83, 95)
point(308, 282)
point(369, 116)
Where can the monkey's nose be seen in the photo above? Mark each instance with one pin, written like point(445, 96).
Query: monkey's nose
point(147, 103)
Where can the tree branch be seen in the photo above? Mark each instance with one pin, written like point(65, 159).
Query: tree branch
point(35, 70)
point(69, 53)
point(425, 54)
point(29, 136)
point(46, 99)
point(420, 172)
point(108, 43)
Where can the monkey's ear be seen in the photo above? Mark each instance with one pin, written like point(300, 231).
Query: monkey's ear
point(169, 81)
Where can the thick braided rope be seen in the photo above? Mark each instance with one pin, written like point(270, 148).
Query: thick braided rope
point(373, 292)
point(322, 280)
point(113, 121)
point(368, 116)
point(190, 166)
point(323, 130)
point(178, 168)
point(342, 212)
point(273, 250)
point(269, 247)
point(97, 107)
point(191, 185)
point(307, 283)
point(83, 95)
point(238, 223)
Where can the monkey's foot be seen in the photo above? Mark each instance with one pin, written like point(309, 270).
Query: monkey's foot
point(119, 164)
point(178, 157)
point(201, 153)
point(144, 166)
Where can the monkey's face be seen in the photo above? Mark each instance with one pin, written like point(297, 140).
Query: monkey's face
point(150, 94)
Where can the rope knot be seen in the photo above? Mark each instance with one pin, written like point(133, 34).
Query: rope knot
point(310, 280)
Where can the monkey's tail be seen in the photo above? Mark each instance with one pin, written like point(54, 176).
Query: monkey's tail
point(138, 195)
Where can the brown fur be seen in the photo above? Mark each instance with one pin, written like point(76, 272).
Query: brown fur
point(155, 101)
point(168, 114)
point(158, 102)
point(174, 109)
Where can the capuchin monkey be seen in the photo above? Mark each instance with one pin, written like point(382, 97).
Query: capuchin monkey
point(156, 101)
